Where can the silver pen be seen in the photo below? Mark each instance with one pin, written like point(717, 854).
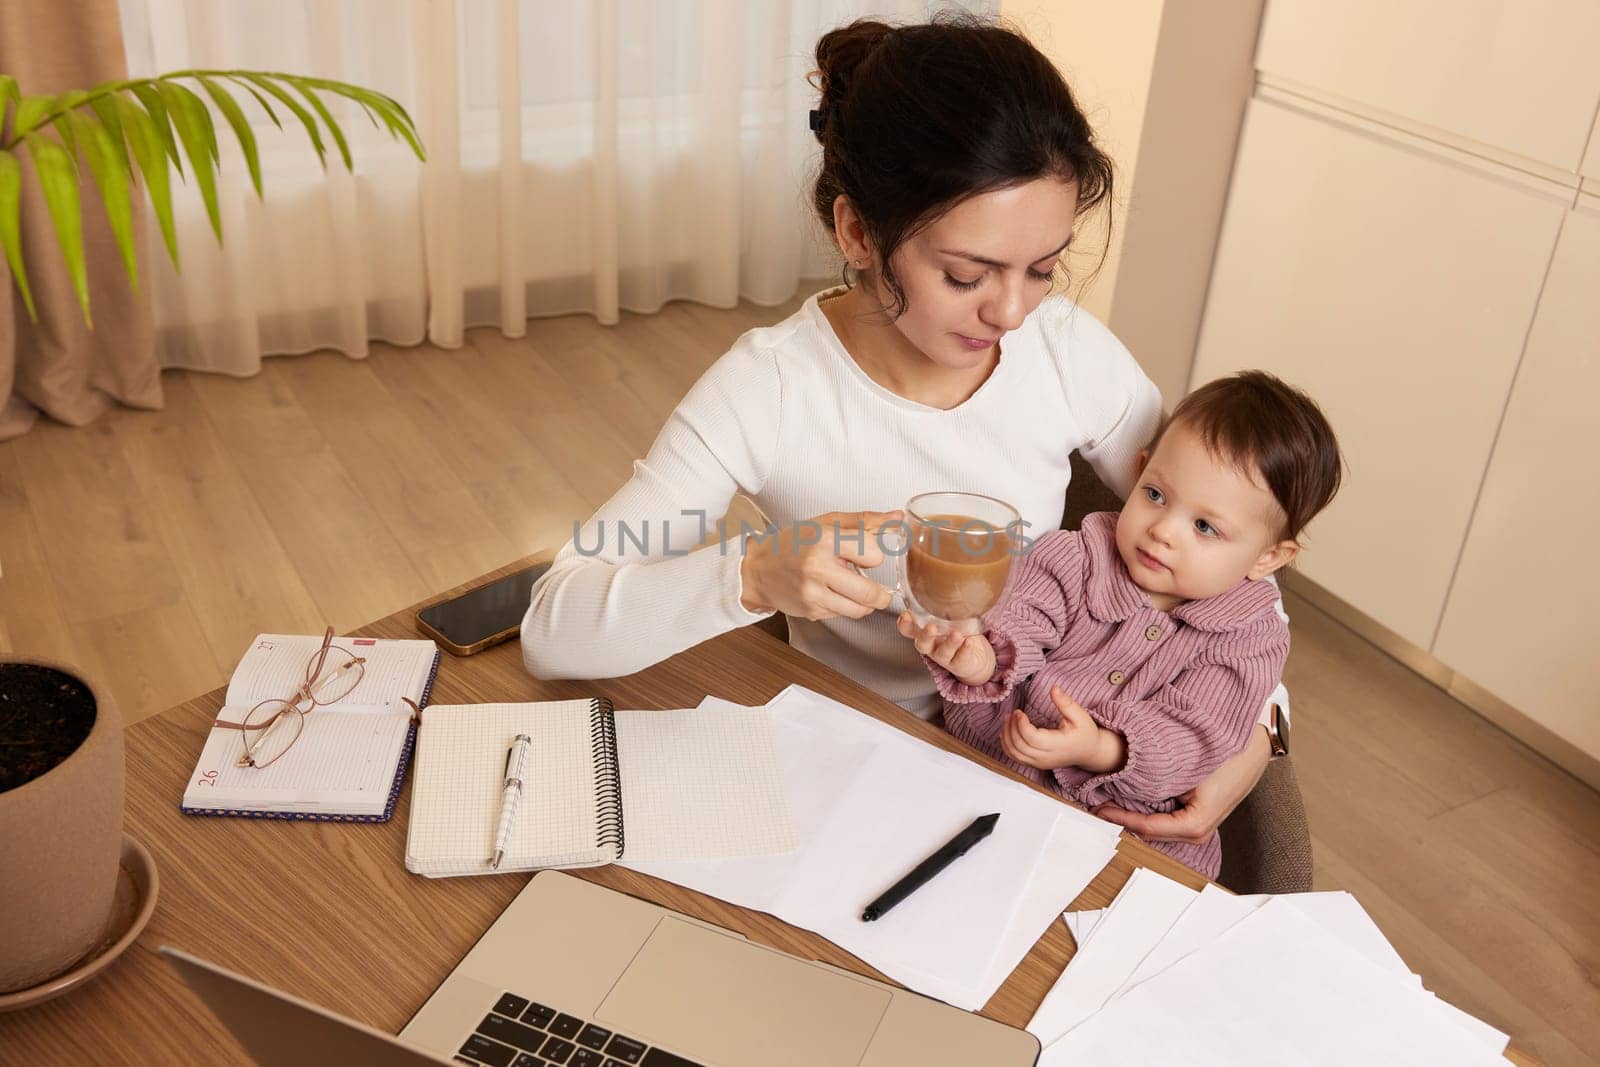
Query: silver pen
point(516, 761)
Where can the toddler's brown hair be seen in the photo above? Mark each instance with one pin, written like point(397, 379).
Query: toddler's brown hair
point(1271, 430)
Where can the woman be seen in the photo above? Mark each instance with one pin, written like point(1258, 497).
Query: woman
point(955, 167)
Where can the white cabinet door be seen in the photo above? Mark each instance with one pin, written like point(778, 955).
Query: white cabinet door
point(1518, 74)
point(1395, 285)
point(1520, 616)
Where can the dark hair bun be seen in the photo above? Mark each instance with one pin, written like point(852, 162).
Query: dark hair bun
point(840, 54)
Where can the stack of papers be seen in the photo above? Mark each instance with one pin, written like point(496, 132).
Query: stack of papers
point(870, 802)
point(1167, 974)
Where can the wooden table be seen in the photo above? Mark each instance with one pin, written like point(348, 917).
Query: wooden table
point(328, 912)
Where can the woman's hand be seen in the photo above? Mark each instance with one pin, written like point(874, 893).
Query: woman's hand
point(1206, 805)
point(1078, 742)
point(808, 568)
point(968, 656)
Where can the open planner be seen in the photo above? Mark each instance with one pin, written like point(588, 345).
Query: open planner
point(599, 784)
point(350, 759)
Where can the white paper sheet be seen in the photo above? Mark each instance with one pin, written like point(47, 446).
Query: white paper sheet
point(1276, 988)
point(890, 819)
point(1339, 913)
point(1211, 914)
point(1081, 924)
point(1493, 1040)
point(1216, 910)
point(1079, 846)
point(1069, 863)
point(869, 802)
point(1344, 917)
point(1146, 908)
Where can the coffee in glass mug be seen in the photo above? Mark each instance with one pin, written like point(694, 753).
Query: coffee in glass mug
point(957, 556)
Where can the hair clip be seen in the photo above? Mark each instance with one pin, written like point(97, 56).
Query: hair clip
point(816, 120)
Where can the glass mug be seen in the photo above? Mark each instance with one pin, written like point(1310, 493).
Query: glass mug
point(953, 556)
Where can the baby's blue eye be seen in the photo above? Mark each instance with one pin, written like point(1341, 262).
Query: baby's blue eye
point(1205, 528)
point(1154, 494)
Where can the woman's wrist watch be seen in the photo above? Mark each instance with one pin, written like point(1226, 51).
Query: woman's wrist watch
point(1277, 727)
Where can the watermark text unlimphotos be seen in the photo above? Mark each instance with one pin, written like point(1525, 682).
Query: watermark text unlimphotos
point(893, 538)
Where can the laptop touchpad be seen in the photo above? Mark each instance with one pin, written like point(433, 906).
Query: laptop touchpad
point(713, 996)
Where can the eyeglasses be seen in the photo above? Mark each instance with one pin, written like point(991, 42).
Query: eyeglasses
point(272, 727)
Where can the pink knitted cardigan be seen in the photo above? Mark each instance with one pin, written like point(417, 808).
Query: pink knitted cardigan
point(1184, 687)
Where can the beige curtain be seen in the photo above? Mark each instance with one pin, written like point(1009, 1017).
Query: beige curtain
point(59, 366)
point(586, 156)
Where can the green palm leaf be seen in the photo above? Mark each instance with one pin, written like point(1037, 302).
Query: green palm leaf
point(58, 178)
point(130, 132)
point(63, 127)
point(265, 82)
point(152, 159)
point(31, 111)
point(241, 127)
point(106, 108)
point(10, 225)
point(388, 110)
point(193, 123)
point(150, 96)
point(112, 179)
point(271, 114)
point(327, 117)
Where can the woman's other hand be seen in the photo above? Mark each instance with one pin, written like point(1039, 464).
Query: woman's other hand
point(808, 569)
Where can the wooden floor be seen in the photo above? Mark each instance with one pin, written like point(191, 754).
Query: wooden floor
point(150, 547)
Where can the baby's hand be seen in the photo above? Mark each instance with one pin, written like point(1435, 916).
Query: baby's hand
point(970, 657)
point(1077, 742)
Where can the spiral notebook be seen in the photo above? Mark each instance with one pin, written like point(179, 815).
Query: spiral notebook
point(349, 762)
point(600, 784)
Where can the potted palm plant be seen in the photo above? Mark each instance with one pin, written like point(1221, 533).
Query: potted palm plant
point(61, 769)
point(60, 818)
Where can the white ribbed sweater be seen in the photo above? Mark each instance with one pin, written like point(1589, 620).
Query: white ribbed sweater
point(789, 419)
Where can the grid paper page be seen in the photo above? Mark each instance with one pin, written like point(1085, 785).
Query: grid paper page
point(702, 783)
point(342, 764)
point(455, 795)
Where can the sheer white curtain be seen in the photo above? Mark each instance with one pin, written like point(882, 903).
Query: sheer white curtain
point(582, 156)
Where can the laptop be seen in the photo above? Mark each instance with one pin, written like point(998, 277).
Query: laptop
point(575, 974)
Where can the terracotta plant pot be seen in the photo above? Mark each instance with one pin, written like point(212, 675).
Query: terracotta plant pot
point(60, 832)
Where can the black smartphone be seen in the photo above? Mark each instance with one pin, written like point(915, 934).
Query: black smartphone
point(481, 617)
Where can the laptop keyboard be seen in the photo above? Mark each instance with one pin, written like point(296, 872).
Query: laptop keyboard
point(518, 1032)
